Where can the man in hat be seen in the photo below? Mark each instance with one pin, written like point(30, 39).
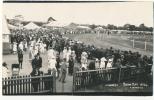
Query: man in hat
point(20, 58)
point(37, 62)
point(71, 65)
point(47, 83)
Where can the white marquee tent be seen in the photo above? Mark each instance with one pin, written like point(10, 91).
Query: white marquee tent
point(99, 28)
point(5, 30)
point(12, 26)
point(83, 27)
point(31, 25)
point(55, 24)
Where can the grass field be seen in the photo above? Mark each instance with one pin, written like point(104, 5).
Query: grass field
point(115, 41)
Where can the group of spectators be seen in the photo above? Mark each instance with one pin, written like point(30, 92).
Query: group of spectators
point(88, 57)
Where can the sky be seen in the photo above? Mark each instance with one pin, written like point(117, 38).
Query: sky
point(117, 13)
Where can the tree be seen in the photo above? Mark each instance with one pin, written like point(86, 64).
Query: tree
point(109, 26)
point(126, 27)
point(142, 27)
point(150, 29)
point(132, 27)
point(93, 26)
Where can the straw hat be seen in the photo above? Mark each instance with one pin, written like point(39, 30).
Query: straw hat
point(96, 59)
point(110, 60)
point(103, 59)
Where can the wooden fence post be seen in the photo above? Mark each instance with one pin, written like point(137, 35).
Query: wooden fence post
point(133, 43)
point(73, 88)
point(54, 81)
point(119, 75)
point(145, 45)
point(3, 88)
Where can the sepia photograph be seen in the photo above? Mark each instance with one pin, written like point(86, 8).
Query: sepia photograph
point(77, 48)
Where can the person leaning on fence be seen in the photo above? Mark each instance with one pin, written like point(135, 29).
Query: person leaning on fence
point(63, 70)
point(108, 66)
point(47, 83)
point(91, 66)
point(35, 81)
point(117, 65)
point(110, 62)
point(93, 75)
point(97, 64)
point(20, 58)
point(103, 63)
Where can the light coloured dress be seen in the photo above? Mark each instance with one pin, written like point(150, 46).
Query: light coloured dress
point(102, 63)
point(110, 63)
point(14, 47)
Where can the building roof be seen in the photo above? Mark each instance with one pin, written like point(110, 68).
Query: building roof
point(5, 28)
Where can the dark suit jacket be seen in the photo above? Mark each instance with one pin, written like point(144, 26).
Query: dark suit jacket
point(37, 63)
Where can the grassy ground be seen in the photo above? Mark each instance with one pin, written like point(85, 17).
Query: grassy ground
point(116, 41)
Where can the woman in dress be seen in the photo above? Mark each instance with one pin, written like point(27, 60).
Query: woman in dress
point(64, 53)
point(21, 46)
point(84, 63)
point(97, 64)
point(68, 54)
point(14, 47)
point(102, 62)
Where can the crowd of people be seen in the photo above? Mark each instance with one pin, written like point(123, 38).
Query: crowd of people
point(63, 53)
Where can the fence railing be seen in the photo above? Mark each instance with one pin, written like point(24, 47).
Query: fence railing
point(86, 79)
point(29, 85)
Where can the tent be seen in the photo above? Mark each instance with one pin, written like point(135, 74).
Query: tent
point(71, 26)
point(54, 24)
point(5, 30)
point(12, 26)
point(32, 26)
point(6, 36)
point(99, 28)
point(83, 27)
